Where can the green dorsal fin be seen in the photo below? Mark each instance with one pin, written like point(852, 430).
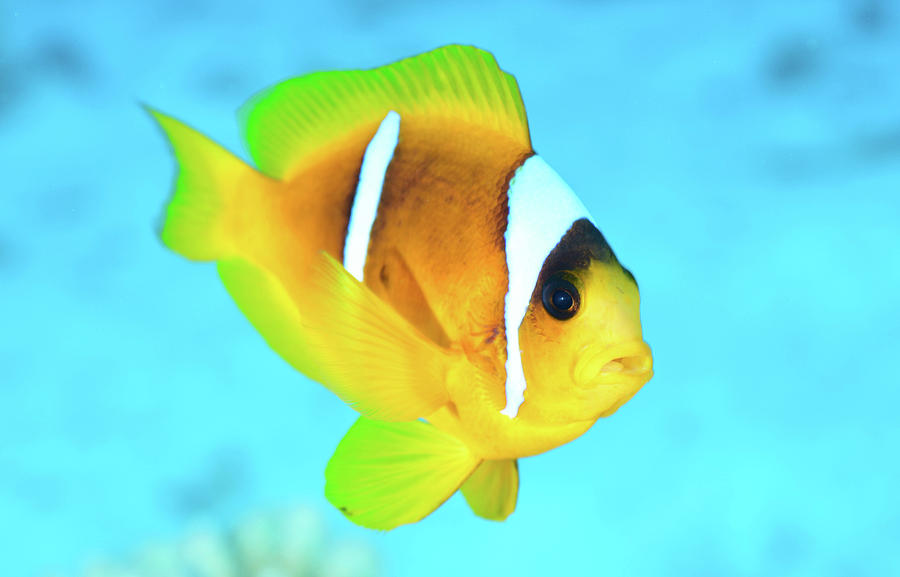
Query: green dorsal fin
point(462, 83)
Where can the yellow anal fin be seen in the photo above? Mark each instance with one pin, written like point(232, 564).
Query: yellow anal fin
point(368, 354)
point(269, 308)
point(492, 489)
point(384, 475)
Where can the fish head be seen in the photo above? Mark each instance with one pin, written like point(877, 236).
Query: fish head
point(583, 352)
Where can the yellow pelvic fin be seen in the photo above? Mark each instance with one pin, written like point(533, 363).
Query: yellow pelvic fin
point(203, 216)
point(383, 475)
point(367, 353)
point(492, 489)
point(287, 122)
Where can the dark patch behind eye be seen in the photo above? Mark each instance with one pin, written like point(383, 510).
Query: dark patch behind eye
point(581, 244)
point(629, 275)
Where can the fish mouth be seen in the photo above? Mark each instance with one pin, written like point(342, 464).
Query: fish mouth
point(629, 363)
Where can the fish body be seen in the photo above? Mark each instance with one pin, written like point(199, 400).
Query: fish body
point(400, 242)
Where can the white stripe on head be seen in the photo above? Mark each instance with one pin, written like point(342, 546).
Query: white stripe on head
point(542, 209)
point(375, 163)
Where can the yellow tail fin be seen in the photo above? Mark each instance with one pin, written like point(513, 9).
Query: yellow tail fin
point(203, 216)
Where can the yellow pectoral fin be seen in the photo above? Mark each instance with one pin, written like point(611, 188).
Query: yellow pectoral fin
point(367, 353)
point(397, 285)
point(384, 475)
point(492, 489)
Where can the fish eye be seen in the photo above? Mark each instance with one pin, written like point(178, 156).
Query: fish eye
point(561, 298)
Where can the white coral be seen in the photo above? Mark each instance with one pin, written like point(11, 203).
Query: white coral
point(290, 543)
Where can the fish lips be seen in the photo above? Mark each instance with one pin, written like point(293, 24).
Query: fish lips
point(628, 365)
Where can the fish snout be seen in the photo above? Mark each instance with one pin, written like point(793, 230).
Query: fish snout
point(628, 363)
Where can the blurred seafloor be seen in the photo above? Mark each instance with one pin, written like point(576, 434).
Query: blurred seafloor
point(743, 159)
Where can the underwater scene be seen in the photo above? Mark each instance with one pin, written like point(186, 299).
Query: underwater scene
point(741, 159)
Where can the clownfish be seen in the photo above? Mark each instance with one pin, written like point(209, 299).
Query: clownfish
point(400, 242)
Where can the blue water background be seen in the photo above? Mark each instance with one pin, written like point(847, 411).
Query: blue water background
point(743, 159)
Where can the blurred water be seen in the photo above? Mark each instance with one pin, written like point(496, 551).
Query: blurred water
point(742, 158)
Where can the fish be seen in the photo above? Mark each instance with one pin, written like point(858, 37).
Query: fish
point(398, 240)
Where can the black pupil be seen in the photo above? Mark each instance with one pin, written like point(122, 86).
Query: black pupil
point(562, 300)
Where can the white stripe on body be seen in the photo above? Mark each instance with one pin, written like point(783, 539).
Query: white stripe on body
point(376, 159)
point(542, 208)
